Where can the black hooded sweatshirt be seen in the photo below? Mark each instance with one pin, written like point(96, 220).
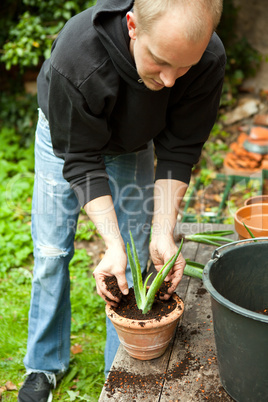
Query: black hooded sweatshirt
point(96, 104)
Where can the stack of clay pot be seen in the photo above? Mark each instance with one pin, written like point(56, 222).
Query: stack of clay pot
point(249, 154)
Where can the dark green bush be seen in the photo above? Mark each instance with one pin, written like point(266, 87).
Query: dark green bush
point(242, 60)
point(31, 26)
point(19, 112)
point(28, 28)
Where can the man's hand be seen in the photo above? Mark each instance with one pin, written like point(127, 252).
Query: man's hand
point(161, 249)
point(168, 194)
point(113, 263)
point(101, 212)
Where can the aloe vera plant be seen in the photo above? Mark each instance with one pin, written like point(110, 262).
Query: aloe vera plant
point(145, 297)
point(193, 269)
point(213, 238)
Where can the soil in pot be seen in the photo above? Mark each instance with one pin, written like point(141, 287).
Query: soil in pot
point(128, 308)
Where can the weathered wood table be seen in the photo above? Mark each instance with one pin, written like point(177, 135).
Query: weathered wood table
point(188, 370)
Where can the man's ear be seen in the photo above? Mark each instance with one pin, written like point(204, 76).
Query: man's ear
point(131, 24)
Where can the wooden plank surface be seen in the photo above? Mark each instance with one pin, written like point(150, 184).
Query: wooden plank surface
point(193, 364)
point(188, 369)
point(150, 374)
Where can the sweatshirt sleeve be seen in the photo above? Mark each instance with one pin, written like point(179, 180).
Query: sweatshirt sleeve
point(190, 119)
point(79, 136)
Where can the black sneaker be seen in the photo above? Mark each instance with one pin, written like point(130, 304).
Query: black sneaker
point(36, 388)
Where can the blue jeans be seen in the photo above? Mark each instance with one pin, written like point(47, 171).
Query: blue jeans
point(55, 211)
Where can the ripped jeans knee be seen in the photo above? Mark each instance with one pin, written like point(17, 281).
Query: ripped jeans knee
point(51, 251)
point(51, 269)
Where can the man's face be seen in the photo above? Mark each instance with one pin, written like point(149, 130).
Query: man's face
point(163, 54)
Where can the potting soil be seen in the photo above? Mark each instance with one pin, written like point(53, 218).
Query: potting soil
point(128, 306)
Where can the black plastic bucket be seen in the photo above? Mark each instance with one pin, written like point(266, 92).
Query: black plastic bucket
point(237, 279)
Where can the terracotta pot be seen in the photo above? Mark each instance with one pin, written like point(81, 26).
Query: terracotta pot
point(146, 339)
point(257, 199)
point(255, 217)
point(231, 171)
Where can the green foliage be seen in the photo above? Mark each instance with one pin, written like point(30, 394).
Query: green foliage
point(32, 29)
point(19, 112)
point(16, 184)
point(86, 230)
point(214, 152)
point(215, 149)
point(28, 42)
point(206, 176)
point(242, 60)
point(242, 190)
point(85, 373)
point(74, 396)
point(15, 289)
point(218, 131)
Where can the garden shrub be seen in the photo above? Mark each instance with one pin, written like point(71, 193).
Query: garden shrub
point(32, 27)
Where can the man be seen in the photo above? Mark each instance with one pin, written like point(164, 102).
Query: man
point(119, 80)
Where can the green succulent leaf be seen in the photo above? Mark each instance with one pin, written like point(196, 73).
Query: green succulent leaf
point(250, 232)
point(144, 298)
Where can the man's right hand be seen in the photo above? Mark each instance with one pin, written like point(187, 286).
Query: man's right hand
point(113, 263)
point(101, 212)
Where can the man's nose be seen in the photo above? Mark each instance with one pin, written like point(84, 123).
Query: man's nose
point(169, 76)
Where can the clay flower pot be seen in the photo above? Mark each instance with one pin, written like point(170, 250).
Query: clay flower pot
point(146, 339)
point(257, 199)
point(255, 217)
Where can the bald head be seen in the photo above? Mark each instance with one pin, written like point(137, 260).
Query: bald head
point(194, 17)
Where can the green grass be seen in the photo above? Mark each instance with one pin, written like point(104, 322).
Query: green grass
point(88, 330)
point(84, 379)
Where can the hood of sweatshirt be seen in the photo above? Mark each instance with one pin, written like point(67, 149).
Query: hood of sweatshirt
point(109, 20)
